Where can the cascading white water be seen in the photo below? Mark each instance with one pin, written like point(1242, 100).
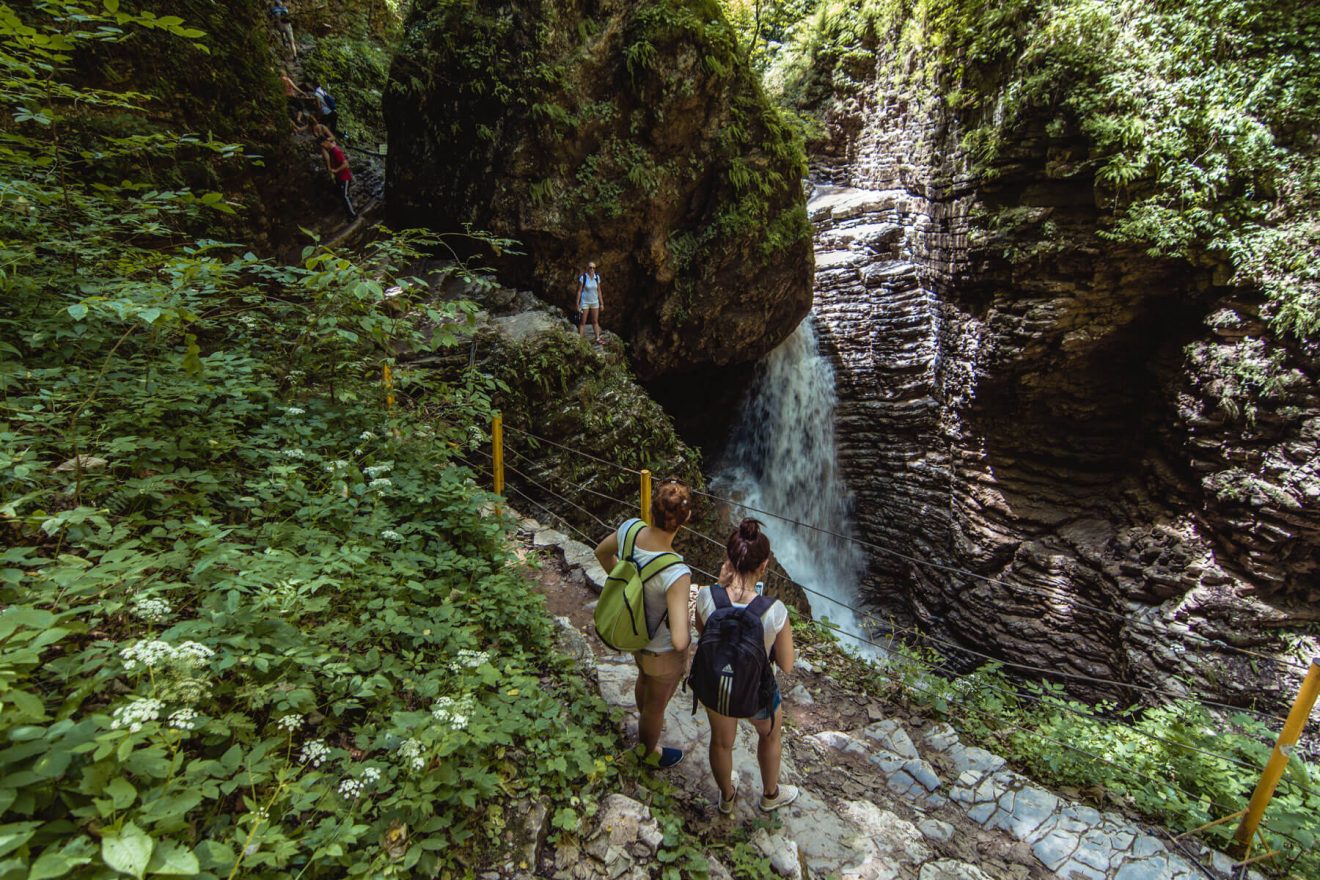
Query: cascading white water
point(782, 460)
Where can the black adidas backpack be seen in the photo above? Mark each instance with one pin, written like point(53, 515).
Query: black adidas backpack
point(731, 673)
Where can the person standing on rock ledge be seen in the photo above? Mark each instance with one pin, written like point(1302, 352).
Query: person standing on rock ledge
point(740, 587)
point(589, 301)
point(661, 664)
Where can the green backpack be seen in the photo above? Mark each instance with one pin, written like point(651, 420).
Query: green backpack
point(621, 609)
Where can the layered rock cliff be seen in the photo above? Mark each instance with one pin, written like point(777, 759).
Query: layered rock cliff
point(1105, 462)
point(631, 134)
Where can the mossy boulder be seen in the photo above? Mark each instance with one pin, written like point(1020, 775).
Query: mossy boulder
point(632, 134)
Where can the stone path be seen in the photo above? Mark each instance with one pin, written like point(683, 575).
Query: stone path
point(887, 800)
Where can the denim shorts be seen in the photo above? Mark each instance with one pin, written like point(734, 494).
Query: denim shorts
point(769, 712)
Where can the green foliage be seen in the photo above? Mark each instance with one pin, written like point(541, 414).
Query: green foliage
point(255, 617)
point(1197, 118)
point(1177, 764)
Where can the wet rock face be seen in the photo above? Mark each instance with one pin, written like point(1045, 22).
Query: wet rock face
point(631, 134)
point(1121, 455)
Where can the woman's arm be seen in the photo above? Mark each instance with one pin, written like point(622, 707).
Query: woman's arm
point(784, 653)
point(676, 598)
point(607, 551)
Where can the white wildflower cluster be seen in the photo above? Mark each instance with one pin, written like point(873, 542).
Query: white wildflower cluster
point(183, 719)
point(377, 470)
point(192, 655)
point(293, 453)
point(380, 484)
point(289, 723)
point(147, 653)
point(313, 752)
point(453, 713)
point(135, 714)
point(151, 609)
point(391, 535)
point(468, 660)
point(186, 690)
point(353, 788)
point(411, 751)
point(334, 467)
point(366, 435)
point(295, 410)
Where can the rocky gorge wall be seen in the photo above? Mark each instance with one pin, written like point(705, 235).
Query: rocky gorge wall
point(1105, 463)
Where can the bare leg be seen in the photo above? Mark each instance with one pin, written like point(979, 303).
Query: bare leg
point(595, 322)
point(652, 711)
point(769, 748)
point(658, 676)
point(723, 731)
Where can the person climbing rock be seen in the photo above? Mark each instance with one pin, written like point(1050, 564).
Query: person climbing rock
point(336, 163)
point(305, 124)
point(279, 14)
point(589, 301)
point(326, 107)
point(742, 633)
point(660, 665)
point(293, 94)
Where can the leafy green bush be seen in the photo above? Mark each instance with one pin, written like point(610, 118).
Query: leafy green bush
point(255, 618)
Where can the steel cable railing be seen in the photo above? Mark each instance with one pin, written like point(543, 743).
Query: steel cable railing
point(1035, 699)
point(1046, 593)
point(926, 666)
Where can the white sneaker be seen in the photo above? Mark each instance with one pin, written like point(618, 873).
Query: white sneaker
point(785, 796)
point(726, 807)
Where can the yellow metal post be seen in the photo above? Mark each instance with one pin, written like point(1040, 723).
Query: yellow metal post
point(1292, 729)
point(646, 496)
point(387, 379)
point(497, 451)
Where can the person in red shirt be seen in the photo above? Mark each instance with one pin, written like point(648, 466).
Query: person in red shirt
point(336, 163)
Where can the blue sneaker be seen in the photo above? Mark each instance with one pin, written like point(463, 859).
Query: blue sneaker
point(664, 759)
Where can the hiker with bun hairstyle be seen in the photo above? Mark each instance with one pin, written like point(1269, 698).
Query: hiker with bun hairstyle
point(739, 590)
point(661, 664)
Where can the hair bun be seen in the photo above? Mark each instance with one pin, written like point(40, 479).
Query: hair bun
point(750, 529)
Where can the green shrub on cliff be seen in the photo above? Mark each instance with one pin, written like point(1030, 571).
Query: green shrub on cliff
point(354, 70)
point(1197, 119)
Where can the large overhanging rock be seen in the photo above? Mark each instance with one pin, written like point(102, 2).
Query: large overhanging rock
point(631, 134)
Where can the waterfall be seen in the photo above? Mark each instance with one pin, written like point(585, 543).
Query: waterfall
point(782, 460)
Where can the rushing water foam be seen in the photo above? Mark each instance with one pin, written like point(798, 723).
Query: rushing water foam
point(782, 460)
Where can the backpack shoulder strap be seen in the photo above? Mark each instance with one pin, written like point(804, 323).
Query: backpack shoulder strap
point(660, 563)
point(720, 595)
point(630, 540)
point(760, 605)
